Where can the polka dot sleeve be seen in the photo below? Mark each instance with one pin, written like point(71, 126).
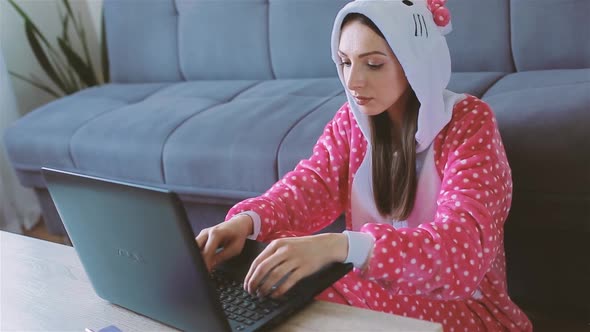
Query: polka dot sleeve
point(311, 196)
point(448, 257)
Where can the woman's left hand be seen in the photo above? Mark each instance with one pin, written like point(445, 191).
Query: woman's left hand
point(292, 259)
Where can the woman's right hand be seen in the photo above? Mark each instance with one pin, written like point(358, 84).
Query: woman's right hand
point(230, 236)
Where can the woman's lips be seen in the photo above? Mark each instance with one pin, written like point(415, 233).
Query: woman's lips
point(362, 100)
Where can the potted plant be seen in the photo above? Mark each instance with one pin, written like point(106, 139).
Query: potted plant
point(65, 67)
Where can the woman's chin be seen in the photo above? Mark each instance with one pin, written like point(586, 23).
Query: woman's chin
point(369, 111)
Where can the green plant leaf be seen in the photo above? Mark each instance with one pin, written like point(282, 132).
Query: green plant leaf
point(36, 84)
point(64, 26)
point(66, 4)
point(37, 79)
point(82, 36)
point(64, 72)
point(70, 14)
point(104, 51)
point(72, 79)
point(68, 69)
point(29, 21)
point(55, 58)
point(83, 70)
point(41, 56)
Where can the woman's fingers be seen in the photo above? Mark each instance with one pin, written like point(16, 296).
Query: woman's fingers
point(202, 238)
point(275, 278)
point(286, 283)
point(231, 250)
point(262, 274)
point(284, 262)
point(265, 271)
point(210, 249)
point(267, 252)
point(220, 242)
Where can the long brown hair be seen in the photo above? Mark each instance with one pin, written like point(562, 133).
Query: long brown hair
point(393, 151)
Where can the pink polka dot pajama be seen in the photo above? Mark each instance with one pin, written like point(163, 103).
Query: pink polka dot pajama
point(449, 270)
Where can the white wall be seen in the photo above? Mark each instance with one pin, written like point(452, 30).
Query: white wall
point(17, 52)
point(18, 206)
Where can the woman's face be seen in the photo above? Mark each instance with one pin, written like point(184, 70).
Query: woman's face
point(372, 74)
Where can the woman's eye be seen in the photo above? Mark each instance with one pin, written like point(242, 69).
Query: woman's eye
point(375, 66)
point(345, 63)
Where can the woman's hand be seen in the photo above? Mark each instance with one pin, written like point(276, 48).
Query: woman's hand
point(286, 261)
point(229, 235)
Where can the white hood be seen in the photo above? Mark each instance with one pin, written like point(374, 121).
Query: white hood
point(421, 49)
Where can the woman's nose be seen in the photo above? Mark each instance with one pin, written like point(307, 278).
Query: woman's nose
point(355, 79)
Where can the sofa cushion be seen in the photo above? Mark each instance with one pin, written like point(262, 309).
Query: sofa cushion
point(476, 83)
point(43, 137)
point(302, 50)
point(549, 132)
point(299, 142)
point(539, 79)
point(142, 41)
point(232, 148)
point(128, 142)
point(543, 118)
point(550, 34)
point(230, 47)
point(480, 40)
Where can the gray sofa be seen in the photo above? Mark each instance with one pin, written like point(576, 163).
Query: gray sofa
point(215, 100)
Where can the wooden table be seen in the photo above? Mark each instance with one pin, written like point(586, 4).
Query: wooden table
point(43, 287)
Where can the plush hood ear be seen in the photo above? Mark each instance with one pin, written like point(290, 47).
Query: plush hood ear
point(420, 46)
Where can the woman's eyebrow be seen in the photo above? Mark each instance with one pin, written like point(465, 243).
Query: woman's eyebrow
point(364, 54)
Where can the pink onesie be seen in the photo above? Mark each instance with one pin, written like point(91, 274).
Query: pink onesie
point(450, 269)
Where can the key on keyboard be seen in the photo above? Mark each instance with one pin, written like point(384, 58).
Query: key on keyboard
point(238, 304)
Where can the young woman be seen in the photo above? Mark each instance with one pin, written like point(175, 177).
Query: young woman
point(420, 173)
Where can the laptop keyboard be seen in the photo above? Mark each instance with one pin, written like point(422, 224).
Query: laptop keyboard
point(238, 304)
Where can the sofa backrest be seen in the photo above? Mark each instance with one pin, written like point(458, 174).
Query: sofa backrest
point(550, 34)
point(171, 40)
point(142, 40)
point(174, 40)
point(480, 40)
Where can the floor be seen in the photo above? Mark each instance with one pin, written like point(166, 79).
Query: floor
point(40, 232)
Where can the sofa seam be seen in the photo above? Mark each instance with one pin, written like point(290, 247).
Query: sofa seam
point(491, 85)
point(177, 14)
point(70, 152)
point(164, 143)
point(272, 69)
point(510, 37)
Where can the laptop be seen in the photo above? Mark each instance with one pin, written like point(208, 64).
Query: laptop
point(139, 252)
